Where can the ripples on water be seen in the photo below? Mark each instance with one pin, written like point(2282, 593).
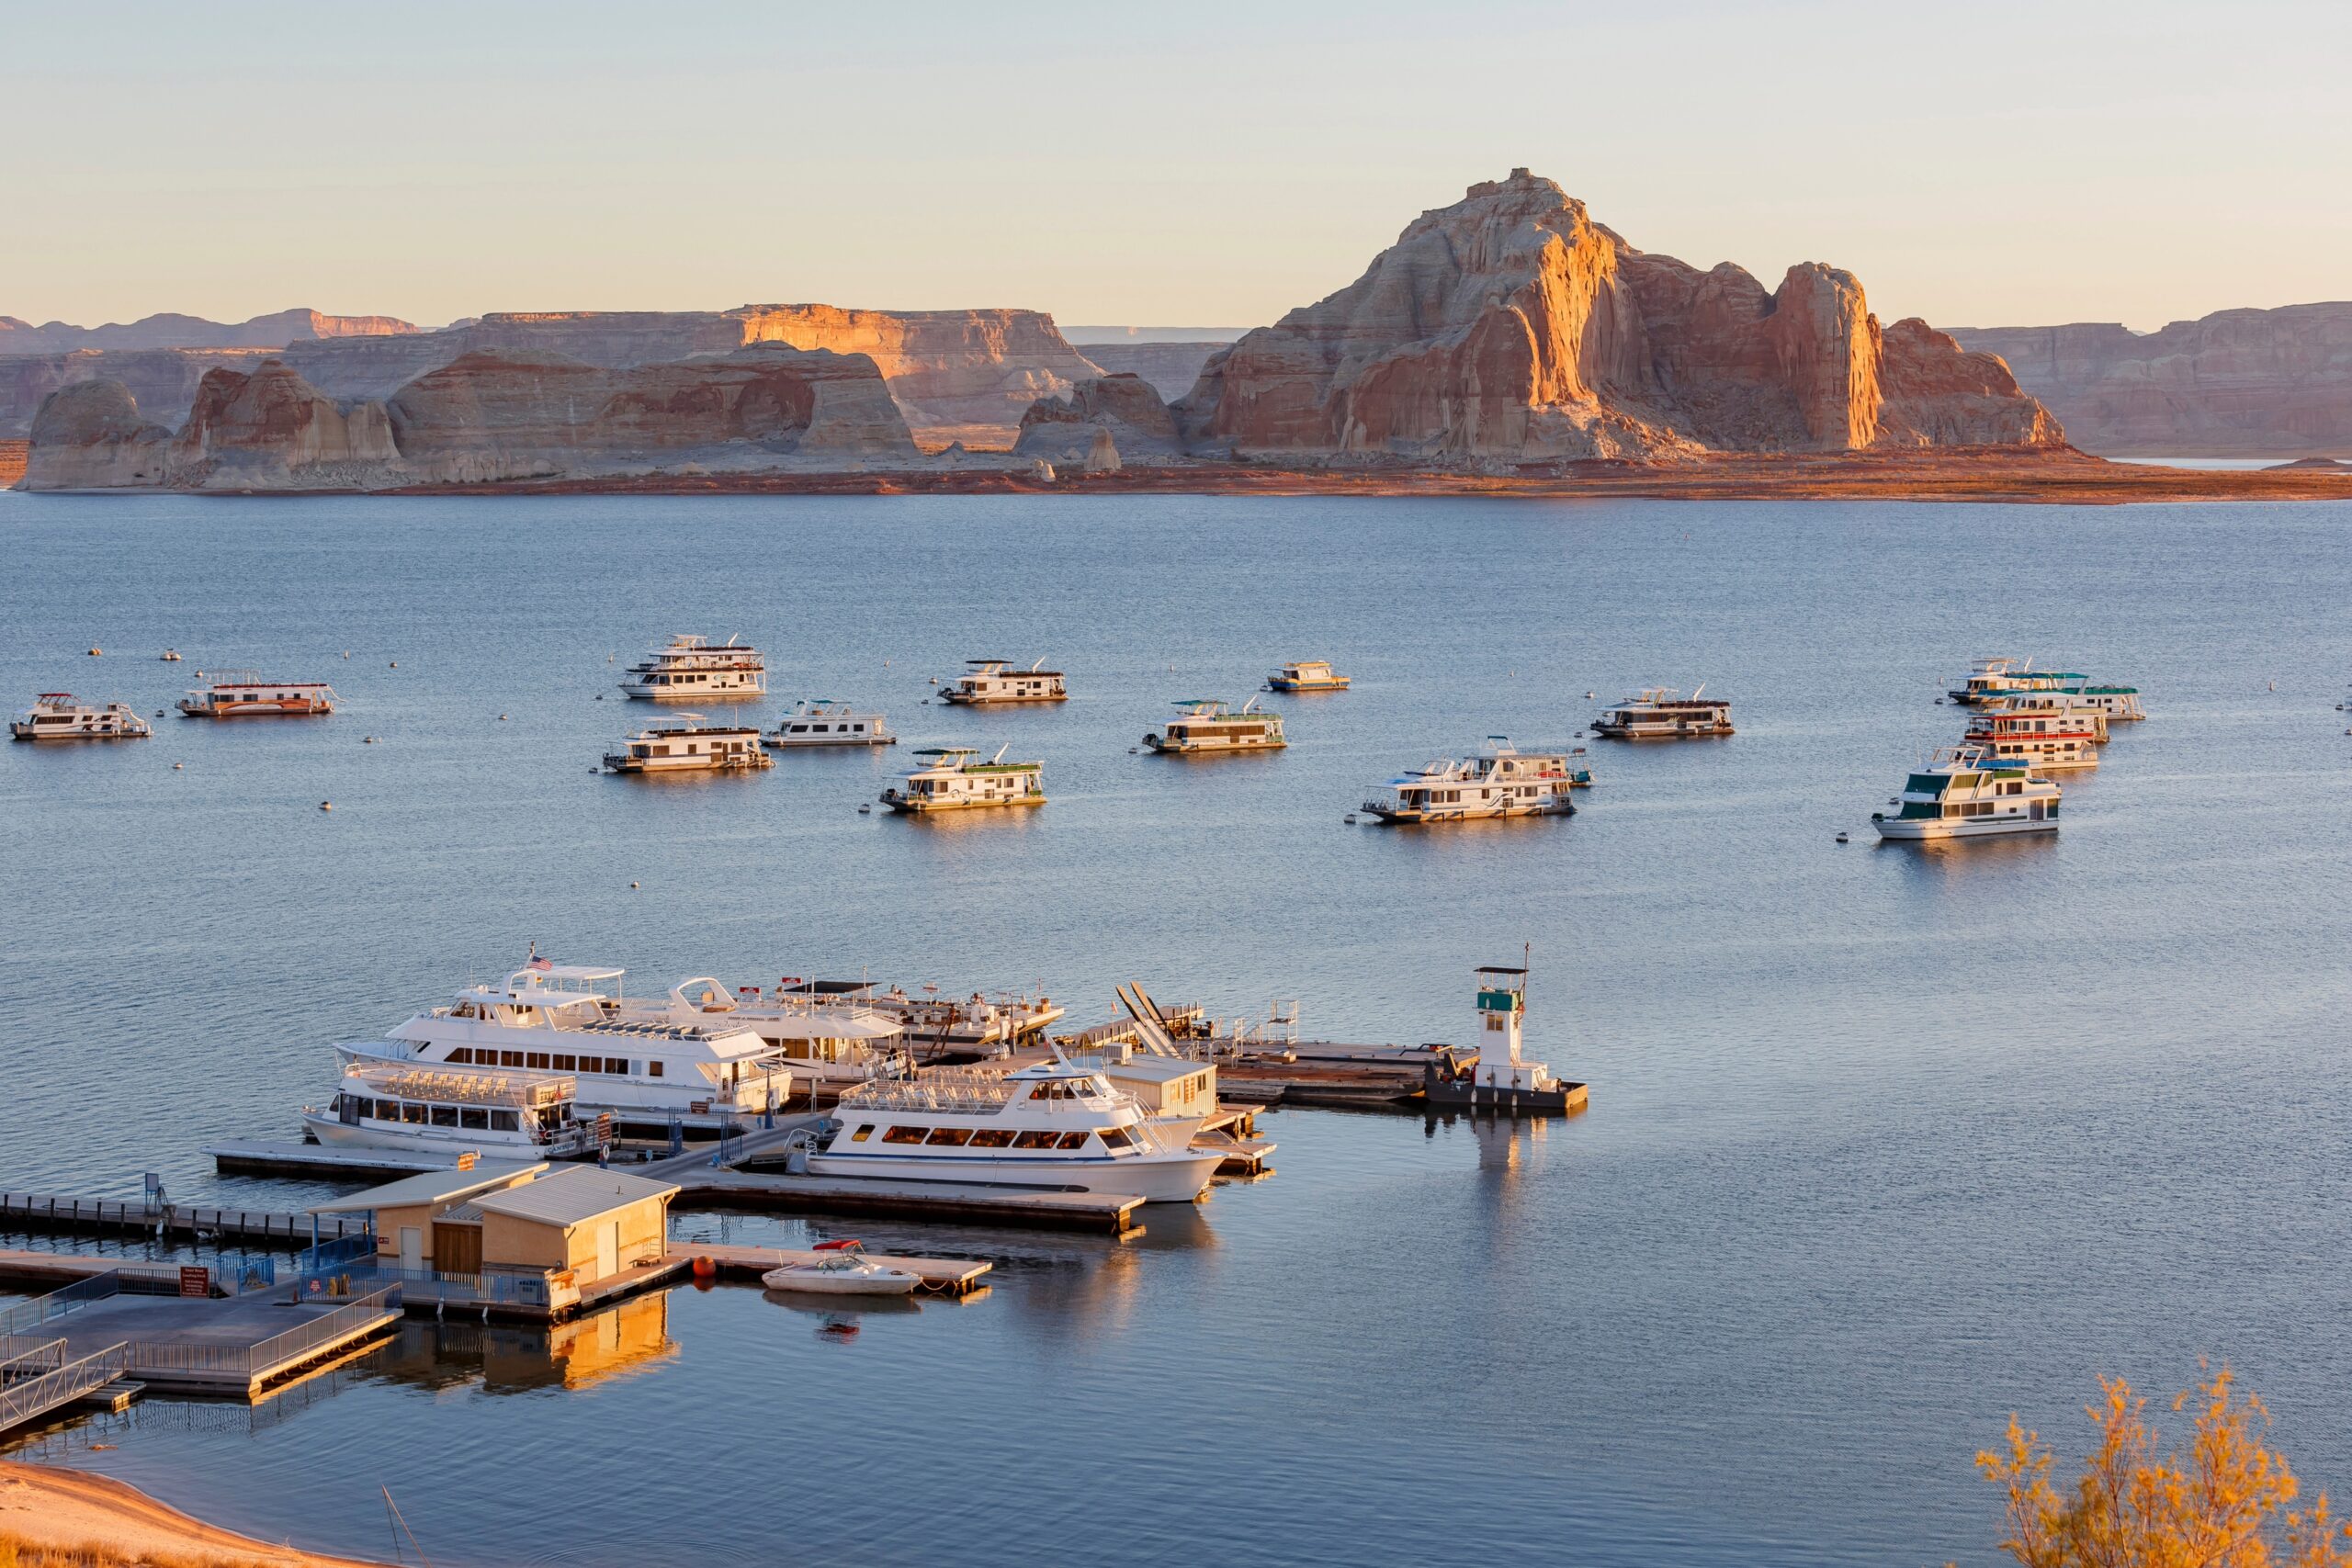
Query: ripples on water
point(1884, 1143)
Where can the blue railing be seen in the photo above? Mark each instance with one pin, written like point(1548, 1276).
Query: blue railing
point(335, 1253)
point(491, 1286)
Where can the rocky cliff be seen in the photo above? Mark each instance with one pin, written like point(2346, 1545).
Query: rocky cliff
point(167, 331)
point(1101, 423)
point(1511, 329)
point(163, 380)
point(2234, 384)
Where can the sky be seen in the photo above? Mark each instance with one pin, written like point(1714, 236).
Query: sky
point(1208, 165)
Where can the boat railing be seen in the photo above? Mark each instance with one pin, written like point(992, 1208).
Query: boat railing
point(971, 1093)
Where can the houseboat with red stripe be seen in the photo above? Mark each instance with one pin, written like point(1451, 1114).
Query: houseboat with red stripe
point(2051, 739)
point(242, 694)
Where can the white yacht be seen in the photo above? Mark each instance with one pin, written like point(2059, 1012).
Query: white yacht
point(242, 694)
point(1207, 724)
point(685, 1057)
point(824, 722)
point(689, 667)
point(937, 1026)
point(1307, 675)
point(1967, 793)
point(994, 680)
point(952, 778)
point(2051, 739)
point(1663, 713)
point(1501, 781)
point(55, 716)
point(512, 1115)
point(1054, 1124)
point(689, 746)
point(830, 1042)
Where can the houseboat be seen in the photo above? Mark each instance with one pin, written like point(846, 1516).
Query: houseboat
point(1662, 714)
point(994, 680)
point(831, 1044)
point(1989, 678)
point(824, 722)
point(1501, 781)
point(1052, 1126)
point(1307, 675)
point(682, 1059)
point(503, 1115)
point(2065, 706)
point(689, 667)
point(242, 694)
point(951, 778)
point(1207, 724)
point(2050, 740)
point(689, 747)
point(55, 716)
point(1966, 791)
point(937, 1026)
point(2121, 704)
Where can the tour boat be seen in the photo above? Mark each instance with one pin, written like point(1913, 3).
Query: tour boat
point(690, 667)
point(1208, 725)
point(1307, 675)
point(938, 1026)
point(685, 1058)
point(841, 1269)
point(1659, 713)
point(825, 722)
point(1501, 781)
point(518, 1115)
point(950, 778)
point(689, 747)
point(993, 680)
point(240, 693)
point(830, 1043)
point(55, 716)
point(1966, 792)
point(1054, 1125)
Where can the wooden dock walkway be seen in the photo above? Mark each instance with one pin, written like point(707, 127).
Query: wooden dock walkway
point(941, 1276)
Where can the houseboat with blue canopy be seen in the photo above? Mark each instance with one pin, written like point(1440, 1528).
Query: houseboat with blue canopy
point(1966, 792)
point(1208, 725)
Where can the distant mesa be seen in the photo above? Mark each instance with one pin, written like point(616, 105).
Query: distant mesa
point(1171, 366)
point(2234, 384)
point(275, 331)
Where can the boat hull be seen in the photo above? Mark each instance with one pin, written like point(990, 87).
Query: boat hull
point(620, 763)
point(28, 732)
point(965, 700)
point(1338, 685)
point(1189, 748)
point(785, 743)
point(910, 807)
point(840, 1282)
point(1416, 817)
point(443, 1140)
point(675, 694)
point(1930, 830)
point(291, 709)
point(1157, 1179)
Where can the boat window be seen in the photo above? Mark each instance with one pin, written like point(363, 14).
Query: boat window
point(993, 1138)
point(1115, 1138)
point(859, 1137)
point(653, 1069)
point(360, 1105)
point(536, 1059)
point(462, 1054)
point(473, 1117)
point(510, 1058)
point(799, 730)
point(413, 1114)
point(617, 1065)
point(1035, 1141)
point(504, 1121)
point(445, 1116)
point(951, 1137)
point(1073, 1140)
point(564, 1063)
point(902, 1135)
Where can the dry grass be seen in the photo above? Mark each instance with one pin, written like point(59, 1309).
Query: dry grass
point(16, 1551)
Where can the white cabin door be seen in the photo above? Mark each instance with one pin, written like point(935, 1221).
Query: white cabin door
point(609, 1248)
point(412, 1247)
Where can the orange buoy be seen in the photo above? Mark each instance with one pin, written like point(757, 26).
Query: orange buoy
point(703, 1268)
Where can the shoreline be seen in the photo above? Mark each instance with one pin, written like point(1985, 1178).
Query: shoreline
point(63, 1510)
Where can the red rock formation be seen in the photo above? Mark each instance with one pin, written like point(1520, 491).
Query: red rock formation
point(90, 436)
point(1100, 421)
point(163, 379)
point(1510, 328)
point(273, 427)
point(2234, 384)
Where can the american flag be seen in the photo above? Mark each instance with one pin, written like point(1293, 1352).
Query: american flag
point(542, 965)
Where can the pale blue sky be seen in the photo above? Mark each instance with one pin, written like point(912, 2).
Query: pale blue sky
point(1979, 164)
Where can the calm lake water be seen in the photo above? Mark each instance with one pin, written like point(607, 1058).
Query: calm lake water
point(1884, 1144)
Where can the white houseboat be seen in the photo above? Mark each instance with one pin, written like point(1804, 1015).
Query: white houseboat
point(2077, 713)
point(1207, 724)
point(830, 1043)
point(1055, 1126)
point(504, 1115)
point(55, 716)
point(952, 778)
point(1967, 793)
point(2051, 739)
point(690, 667)
point(1501, 781)
point(1307, 675)
point(689, 746)
point(824, 722)
point(1989, 678)
point(242, 694)
point(1663, 713)
point(994, 680)
point(683, 1058)
point(938, 1026)
point(2121, 704)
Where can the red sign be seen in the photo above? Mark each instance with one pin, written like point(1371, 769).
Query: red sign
point(194, 1280)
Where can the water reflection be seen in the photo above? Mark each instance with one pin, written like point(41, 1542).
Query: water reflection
point(439, 1355)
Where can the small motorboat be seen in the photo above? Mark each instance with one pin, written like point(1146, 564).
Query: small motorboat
point(841, 1269)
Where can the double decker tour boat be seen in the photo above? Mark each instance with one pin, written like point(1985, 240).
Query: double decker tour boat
point(1054, 1124)
point(685, 1059)
point(1501, 781)
point(689, 746)
point(1208, 725)
point(511, 1115)
point(55, 716)
point(1307, 675)
point(689, 667)
point(951, 778)
point(1660, 713)
point(242, 694)
point(994, 680)
point(824, 722)
point(1966, 792)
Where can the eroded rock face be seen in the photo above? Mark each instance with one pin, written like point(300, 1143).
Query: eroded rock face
point(90, 436)
point(273, 428)
point(1511, 329)
point(2234, 384)
point(171, 331)
point(1125, 412)
point(163, 379)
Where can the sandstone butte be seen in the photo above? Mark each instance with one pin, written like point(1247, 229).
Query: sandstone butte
point(274, 331)
point(2234, 384)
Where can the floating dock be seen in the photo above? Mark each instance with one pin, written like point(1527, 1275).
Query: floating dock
point(41, 1211)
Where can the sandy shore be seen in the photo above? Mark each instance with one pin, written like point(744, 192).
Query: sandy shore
point(65, 1509)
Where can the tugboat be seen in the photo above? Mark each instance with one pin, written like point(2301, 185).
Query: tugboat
point(1210, 725)
point(1966, 792)
point(1501, 1079)
point(992, 680)
point(1307, 675)
point(1660, 713)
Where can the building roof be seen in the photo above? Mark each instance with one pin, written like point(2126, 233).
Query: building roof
point(431, 1187)
point(571, 1196)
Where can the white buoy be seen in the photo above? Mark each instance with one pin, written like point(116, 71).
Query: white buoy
point(326, 806)
point(501, 718)
point(346, 653)
point(865, 811)
point(1588, 696)
point(396, 663)
point(177, 766)
point(632, 884)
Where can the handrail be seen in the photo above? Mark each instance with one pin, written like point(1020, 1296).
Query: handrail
point(59, 1302)
point(277, 1350)
point(35, 1397)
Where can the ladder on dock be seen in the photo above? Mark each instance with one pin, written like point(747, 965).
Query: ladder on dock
point(37, 1379)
